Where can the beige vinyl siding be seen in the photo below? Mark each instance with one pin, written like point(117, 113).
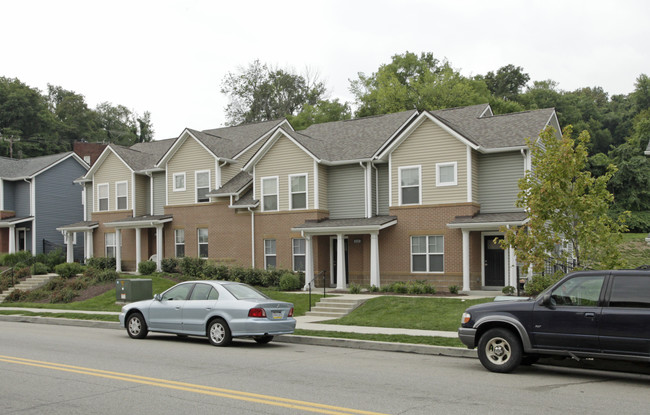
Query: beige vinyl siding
point(498, 181)
point(189, 158)
point(142, 195)
point(284, 158)
point(475, 175)
point(159, 193)
point(112, 170)
point(425, 147)
point(383, 189)
point(323, 179)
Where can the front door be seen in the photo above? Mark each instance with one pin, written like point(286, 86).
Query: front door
point(335, 260)
point(494, 262)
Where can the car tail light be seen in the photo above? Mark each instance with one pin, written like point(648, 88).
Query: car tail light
point(256, 312)
point(290, 312)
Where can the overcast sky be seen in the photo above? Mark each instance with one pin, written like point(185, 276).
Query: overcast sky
point(170, 57)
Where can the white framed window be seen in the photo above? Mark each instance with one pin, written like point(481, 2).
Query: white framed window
point(203, 242)
point(298, 191)
point(109, 245)
point(179, 243)
point(121, 195)
point(270, 193)
point(179, 182)
point(298, 247)
point(102, 197)
point(270, 258)
point(446, 174)
point(202, 185)
point(410, 189)
point(427, 253)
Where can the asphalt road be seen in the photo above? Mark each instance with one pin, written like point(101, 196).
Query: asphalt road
point(48, 369)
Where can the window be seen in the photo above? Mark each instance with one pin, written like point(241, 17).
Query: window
point(269, 193)
point(179, 243)
point(109, 243)
point(178, 293)
point(446, 174)
point(409, 184)
point(298, 249)
point(630, 291)
point(202, 186)
point(121, 191)
point(102, 196)
point(579, 291)
point(269, 254)
point(179, 182)
point(204, 292)
point(298, 186)
point(203, 242)
point(427, 253)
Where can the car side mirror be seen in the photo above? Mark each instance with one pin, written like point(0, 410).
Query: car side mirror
point(157, 297)
point(548, 301)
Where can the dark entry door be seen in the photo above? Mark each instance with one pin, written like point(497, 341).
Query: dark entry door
point(335, 260)
point(494, 262)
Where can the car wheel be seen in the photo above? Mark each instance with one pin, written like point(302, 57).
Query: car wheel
point(263, 339)
point(499, 350)
point(219, 333)
point(136, 326)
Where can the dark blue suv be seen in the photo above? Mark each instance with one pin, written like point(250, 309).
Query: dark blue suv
point(596, 314)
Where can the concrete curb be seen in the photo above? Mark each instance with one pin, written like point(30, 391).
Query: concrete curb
point(309, 340)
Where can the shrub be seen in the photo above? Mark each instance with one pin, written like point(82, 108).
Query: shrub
point(289, 282)
point(539, 283)
point(51, 259)
point(107, 275)
point(22, 272)
point(454, 289)
point(10, 260)
point(355, 289)
point(54, 284)
point(102, 263)
point(169, 265)
point(373, 289)
point(16, 296)
point(508, 290)
point(78, 284)
point(192, 267)
point(39, 268)
point(64, 295)
point(146, 267)
point(68, 269)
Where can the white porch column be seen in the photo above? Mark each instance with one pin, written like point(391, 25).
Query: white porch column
point(118, 250)
point(340, 262)
point(309, 263)
point(88, 242)
point(374, 260)
point(12, 239)
point(159, 247)
point(466, 285)
point(138, 247)
point(69, 239)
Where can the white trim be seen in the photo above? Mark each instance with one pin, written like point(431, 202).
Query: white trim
point(196, 184)
point(447, 164)
point(390, 180)
point(179, 189)
point(263, 137)
point(32, 201)
point(291, 193)
point(399, 183)
point(275, 253)
point(388, 142)
point(293, 254)
point(2, 194)
point(487, 108)
point(117, 196)
point(132, 195)
point(277, 192)
point(269, 143)
point(176, 244)
point(100, 161)
point(108, 197)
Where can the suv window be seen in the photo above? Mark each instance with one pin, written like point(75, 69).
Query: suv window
point(630, 291)
point(579, 291)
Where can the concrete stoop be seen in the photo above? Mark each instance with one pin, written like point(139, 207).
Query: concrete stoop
point(31, 283)
point(334, 307)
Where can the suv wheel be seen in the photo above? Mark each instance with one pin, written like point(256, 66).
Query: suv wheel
point(499, 350)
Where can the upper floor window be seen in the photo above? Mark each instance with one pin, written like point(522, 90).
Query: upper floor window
point(121, 198)
point(102, 196)
point(269, 193)
point(202, 186)
point(298, 186)
point(427, 253)
point(179, 182)
point(446, 174)
point(203, 242)
point(409, 185)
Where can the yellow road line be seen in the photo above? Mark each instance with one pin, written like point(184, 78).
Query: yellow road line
point(189, 387)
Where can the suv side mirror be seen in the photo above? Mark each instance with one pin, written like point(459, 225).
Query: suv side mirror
point(548, 301)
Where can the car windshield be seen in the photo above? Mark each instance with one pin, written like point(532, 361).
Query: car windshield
point(242, 291)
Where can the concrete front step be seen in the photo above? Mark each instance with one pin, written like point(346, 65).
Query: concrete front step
point(325, 314)
point(334, 307)
point(31, 283)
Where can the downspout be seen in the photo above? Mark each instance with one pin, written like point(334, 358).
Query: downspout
point(366, 204)
point(150, 192)
point(376, 188)
point(32, 212)
point(252, 237)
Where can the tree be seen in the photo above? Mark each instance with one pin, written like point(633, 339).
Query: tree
point(323, 111)
point(417, 82)
point(260, 93)
point(507, 82)
point(117, 124)
point(567, 207)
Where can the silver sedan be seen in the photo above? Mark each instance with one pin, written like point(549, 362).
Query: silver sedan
point(220, 310)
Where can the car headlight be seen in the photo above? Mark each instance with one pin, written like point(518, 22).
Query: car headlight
point(466, 318)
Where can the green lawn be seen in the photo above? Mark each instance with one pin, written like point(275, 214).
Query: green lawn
point(635, 250)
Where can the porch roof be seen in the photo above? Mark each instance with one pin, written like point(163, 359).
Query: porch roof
point(79, 226)
point(146, 221)
point(347, 226)
point(488, 221)
point(9, 222)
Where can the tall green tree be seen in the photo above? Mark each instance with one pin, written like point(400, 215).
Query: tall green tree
point(323, 111)
point(260, 93)
point(507, 82)
point(567, 207)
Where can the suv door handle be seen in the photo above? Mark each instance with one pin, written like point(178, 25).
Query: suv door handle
point(590, 315)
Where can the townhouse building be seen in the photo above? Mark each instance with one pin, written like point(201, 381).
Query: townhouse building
point(374, 200)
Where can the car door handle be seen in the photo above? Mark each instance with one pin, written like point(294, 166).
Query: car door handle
point(590, 315)
point(178, 307)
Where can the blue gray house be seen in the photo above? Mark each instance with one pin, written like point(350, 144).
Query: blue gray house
point(37, 195)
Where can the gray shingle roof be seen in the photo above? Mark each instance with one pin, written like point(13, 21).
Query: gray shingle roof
point(142, 156)
point(13, 169)
point(497, 131)
point(234, 185)
point(246, 200)
point(484, 218)
point(347, 223)
point(227, 142)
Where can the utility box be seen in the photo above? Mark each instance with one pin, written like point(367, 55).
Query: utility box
point(129, 290)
